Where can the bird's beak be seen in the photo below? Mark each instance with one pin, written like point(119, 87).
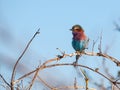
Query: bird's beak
point(71, 29)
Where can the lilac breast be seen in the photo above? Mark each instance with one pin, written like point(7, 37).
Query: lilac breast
point(77, 35)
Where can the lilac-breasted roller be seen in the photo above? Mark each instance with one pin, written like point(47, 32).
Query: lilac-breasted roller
point(79, 40)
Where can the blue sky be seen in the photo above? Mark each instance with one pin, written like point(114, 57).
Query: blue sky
point(21, 18)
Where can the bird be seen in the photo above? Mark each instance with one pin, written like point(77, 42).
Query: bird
point(79, 40)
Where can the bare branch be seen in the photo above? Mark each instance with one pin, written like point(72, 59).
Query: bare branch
point(5, 80)
point(86, 78)
point(72, 64)
point(46, 65)
point(94, 70)
point(45, 82)
point(31, 84)
point(70, 55)
point(117, 62)
point(14, 68)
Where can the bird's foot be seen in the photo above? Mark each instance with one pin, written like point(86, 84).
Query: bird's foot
point(78, 52)
point(83, 51)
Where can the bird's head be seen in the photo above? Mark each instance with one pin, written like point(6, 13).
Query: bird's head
point(77, 28)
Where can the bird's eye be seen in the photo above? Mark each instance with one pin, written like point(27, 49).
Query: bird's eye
point(76, 30)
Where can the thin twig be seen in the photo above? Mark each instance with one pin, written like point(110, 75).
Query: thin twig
point(14, 68)
point(31, 84)
point(100, 45)
point(44, 65)
point(71, 64)
point(94, 42)
point(86, 78)
point(43, 81)
point(72, 87)
point(70, 55)
point(75, 84)
point(117, 62)
point(5, 80)
point(94, 70)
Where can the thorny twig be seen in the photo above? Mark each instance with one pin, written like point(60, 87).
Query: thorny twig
point(14, 68)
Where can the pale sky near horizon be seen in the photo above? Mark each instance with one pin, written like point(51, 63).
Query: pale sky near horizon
point(21, 19)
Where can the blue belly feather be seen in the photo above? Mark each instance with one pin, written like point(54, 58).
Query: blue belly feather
point(79, 45)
